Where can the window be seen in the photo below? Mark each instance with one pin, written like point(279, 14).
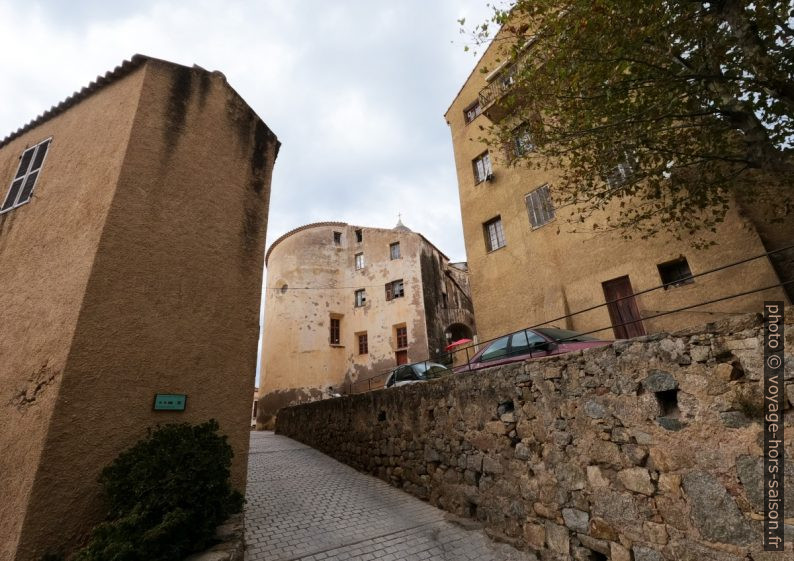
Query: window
point(521, 142)
point(622, 172)
point(497, 349)
point(675, 273)
point(334, 339)
point(540, 207)
point(24, 181)
point(338, 238)
point(494, 235)
point(524, 342)
point(359, 261)
point(359, 236)
point(361, 297)
point(394, 289)
point(394, 250)
point(363, 345)
point(401, 335)
point(471, 112)
point(482, 168)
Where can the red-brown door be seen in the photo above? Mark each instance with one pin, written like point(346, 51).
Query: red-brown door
point(402, 357)
point(623, 312)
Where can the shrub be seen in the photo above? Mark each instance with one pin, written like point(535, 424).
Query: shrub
point(166, 496)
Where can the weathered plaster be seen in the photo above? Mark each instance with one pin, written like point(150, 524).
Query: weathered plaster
point(137, 270)
point(321, 280)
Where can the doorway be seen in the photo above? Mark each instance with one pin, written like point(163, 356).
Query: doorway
point(622, 306)
point(402, 357)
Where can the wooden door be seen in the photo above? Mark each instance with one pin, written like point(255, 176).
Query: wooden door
point(401, 356)
point(623, 312)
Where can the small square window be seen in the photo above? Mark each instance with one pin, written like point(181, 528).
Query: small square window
point(472, 111)
point(540, 207)
point(338, 238)
point(394, 251)
point(334, 331)
point(359, 236)
point(30, 163)
point(494, 234)
point(363, 344)
point(394, 289)
point(675, 273)
point(401, 334)
point(482, 167)
point(359, 261)
point(521, 142)
point(361, 297)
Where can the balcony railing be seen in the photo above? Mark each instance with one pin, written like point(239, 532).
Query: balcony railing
point(492, 96)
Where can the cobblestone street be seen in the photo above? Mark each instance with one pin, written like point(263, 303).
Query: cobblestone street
point(303, 505)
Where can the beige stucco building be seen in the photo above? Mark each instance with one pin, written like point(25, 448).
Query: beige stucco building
point(130, 265)
point(526, 266)
point(345, 303)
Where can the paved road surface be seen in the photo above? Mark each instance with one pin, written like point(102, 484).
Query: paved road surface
point(303, 505)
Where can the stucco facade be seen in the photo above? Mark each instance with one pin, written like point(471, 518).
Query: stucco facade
point(134, 269)
point(542, 270)
point(313, 275)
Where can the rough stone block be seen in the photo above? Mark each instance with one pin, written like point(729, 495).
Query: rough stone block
point(595, 477)
point(618, 553)
point(636, 479)
point(635, 454)
point(601, 546)
point(496, 427)
point(535, 535)
point(576, 520)
point(642, 553)
point(595, 410)
point(599, 528)
point(659, 381)
point(734, 419)
point(699, 353)
point(522, 451)
point(714, 512)
point(474, 462)
point(657, 533)
point(670, 484)
point(491, 465)
point(557, 538)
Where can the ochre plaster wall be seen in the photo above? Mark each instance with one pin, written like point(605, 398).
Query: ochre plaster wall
point(47, 250)
point(171, 304)
point(542, 274)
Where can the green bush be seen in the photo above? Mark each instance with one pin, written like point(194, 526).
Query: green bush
point(166, 496)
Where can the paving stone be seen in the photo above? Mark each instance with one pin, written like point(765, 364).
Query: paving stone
point(302, 505)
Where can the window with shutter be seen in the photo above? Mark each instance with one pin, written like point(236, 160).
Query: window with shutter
point(28, 172)
point(540, 207)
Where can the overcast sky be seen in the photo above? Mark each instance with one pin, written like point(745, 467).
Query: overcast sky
point(355, 90)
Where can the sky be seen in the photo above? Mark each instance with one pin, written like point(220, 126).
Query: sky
point(355, 90)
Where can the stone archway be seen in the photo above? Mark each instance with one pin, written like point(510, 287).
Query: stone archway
point(458, 331)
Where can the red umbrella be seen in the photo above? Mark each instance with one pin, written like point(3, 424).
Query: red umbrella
point(457, 344)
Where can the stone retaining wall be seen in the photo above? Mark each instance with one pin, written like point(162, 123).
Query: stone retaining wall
point(649, 449)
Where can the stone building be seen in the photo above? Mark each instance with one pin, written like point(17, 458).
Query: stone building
point(131, 247)
point(523, 271)
point(347, 302)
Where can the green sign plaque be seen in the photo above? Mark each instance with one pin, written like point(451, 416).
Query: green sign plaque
point(169, 402)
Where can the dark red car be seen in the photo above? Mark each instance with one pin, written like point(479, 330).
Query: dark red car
point(530, 344)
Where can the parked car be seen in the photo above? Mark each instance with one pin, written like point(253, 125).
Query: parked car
point(417, 372)
point(530, 344)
